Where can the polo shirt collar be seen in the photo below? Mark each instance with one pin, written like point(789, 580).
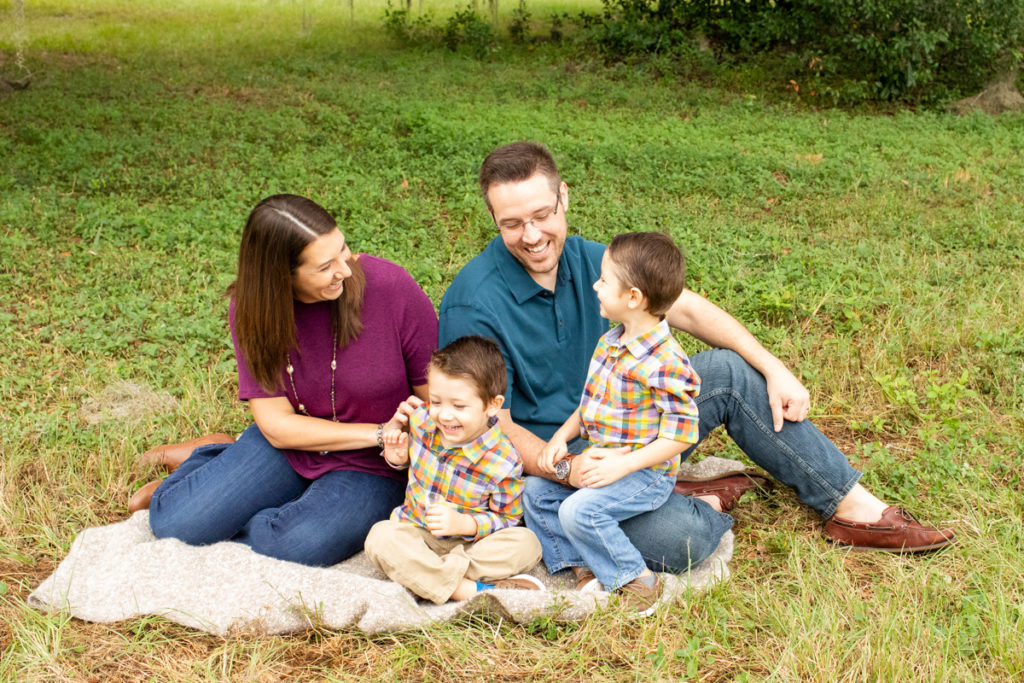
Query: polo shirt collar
point(519, 283)
point(474, 450)
point(642, 345)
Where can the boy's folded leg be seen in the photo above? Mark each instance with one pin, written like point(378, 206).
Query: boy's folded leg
point(506, 552)
point(431, 568)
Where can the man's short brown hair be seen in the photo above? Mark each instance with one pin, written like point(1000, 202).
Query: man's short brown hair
point(477, 359)
point(515, 163)
point(651, 262)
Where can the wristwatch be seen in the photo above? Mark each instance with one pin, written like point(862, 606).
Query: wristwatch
point(562, 469)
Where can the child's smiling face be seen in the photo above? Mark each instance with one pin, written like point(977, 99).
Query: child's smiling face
point(457, 409)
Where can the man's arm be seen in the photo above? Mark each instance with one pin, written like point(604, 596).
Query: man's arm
point(695, 315)
point(528, 445)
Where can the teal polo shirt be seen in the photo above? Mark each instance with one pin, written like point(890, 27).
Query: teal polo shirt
point(547, 337)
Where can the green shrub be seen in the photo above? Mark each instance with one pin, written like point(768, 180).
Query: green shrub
point(468, 28)
point(464, 28)
point(888, 50)
point(519, 26)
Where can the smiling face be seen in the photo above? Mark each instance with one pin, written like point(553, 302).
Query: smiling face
point(457, 409)
point(614, 296)
point(531, 218)
point(323, 267)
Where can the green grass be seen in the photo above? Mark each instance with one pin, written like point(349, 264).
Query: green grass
point(879, 255)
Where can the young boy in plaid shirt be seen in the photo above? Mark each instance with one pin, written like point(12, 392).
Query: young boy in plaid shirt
point(639, 414)
point(456, 533)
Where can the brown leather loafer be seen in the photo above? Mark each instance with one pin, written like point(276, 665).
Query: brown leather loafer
point(897, 531)
point(726, 487)
point(140, 499)
point(171, 455)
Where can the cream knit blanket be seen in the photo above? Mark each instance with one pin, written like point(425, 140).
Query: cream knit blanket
point(121, 571)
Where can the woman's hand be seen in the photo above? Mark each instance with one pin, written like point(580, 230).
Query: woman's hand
point(554, 451)
point(603, 466)
point(445, 520)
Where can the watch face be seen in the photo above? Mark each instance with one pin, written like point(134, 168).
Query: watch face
point(562, 469)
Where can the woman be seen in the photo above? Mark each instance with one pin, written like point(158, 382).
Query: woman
point(328, 345)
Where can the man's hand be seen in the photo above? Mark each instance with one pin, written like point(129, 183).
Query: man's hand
point(444, 520)
point(787, 396)
point(603, 466)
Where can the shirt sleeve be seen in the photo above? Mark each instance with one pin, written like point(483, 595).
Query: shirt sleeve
point(462, 321)
point(506, 508)
point(674, 387)
point(418, 329)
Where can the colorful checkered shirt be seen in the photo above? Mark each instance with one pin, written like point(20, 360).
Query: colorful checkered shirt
point(639, 391)
point(483, 478)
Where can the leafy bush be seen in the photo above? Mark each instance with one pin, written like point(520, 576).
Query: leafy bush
point(464, 28)
point(519, 26)
point(400, 25)
point(468, 28)
point(909, 50)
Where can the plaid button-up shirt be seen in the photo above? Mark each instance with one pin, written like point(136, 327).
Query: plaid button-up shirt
point(639, 391)
point(483, 478)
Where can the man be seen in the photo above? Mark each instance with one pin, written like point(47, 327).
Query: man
point(530, 289)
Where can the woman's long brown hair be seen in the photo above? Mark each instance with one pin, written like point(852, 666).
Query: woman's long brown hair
point(277, 231)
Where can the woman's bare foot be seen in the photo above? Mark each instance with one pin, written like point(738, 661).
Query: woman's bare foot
point(171, 455)
point(141, 498)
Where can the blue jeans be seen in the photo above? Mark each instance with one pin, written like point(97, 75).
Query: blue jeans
point(734, 394)
point(580, 527)
point(247, 492)
point(684, 531)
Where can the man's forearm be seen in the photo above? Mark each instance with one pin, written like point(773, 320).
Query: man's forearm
point(528, 445)
point(695, 315)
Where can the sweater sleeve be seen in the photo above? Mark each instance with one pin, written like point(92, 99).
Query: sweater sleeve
point(417, 328)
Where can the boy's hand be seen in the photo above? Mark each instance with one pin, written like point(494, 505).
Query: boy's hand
point(444, 520)
point(396, 447)
point(553, 452)
point(603, 466)
point(400, 420)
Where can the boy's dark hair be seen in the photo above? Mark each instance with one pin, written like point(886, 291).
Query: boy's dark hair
point(515, 163)
point(477, 359)
point(651, 262)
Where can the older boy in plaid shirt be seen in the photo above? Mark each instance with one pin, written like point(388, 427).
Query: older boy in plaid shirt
point(639, 413)
point(456, 533)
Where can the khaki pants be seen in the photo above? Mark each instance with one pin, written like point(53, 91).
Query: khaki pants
point(433, 567)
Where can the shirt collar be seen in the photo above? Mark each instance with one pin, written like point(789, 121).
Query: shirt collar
point(473, 450)
point(641, 345)
point(518, 281)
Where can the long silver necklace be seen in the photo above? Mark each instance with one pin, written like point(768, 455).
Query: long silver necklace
point(291, 379)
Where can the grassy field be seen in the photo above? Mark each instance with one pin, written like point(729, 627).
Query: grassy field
point(881, 255)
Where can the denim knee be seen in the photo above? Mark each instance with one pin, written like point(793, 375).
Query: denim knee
point(576, 516)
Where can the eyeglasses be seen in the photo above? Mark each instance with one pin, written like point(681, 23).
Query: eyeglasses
point(537, 221)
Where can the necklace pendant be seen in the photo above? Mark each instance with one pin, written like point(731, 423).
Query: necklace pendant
point(302, 408)
point(324, 452)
